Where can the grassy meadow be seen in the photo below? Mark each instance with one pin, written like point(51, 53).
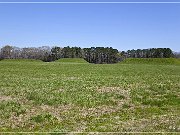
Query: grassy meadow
point(74, 96)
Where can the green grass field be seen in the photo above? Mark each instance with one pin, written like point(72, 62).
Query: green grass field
point(72, 60)
point(68, 96)
point(162, 61)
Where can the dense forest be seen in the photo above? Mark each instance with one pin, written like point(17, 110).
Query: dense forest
point(92, 55)
point(149, 53)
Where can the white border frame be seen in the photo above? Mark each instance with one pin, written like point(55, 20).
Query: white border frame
point(28, 2)
point(90, 132)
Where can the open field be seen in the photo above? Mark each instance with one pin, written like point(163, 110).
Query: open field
point(66, 97)
point(161, 61)
point(72, 60)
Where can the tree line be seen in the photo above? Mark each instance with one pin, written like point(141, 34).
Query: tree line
point(96, 55)
point(149, 53)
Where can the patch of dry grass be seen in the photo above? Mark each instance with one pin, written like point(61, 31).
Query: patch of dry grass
point(5, 98)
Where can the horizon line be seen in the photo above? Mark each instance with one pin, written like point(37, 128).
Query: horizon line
point(28, 2)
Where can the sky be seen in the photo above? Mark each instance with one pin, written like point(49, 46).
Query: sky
point(121, 26)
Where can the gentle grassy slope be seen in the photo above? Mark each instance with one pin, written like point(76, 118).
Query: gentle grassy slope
point(72, 60)
point(166, 61)
point(37, 96)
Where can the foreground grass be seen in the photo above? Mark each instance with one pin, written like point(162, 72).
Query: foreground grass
point(37, 96)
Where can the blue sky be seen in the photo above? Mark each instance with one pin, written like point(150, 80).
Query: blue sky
point(121, 26)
